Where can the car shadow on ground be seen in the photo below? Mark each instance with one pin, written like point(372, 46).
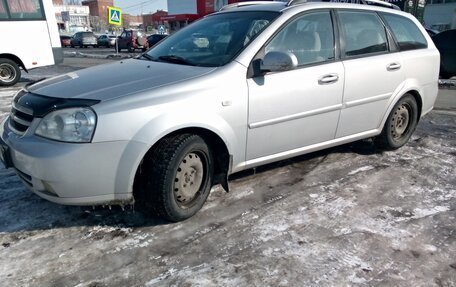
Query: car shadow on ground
point(24, 211)
point(361, 147)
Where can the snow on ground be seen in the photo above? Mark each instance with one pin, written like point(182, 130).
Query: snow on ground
point(348, 216)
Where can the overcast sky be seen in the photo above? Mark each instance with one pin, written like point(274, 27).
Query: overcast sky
point(136, 7)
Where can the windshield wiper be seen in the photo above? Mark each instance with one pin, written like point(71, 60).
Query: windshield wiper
point(175, 59)
point(148, 57)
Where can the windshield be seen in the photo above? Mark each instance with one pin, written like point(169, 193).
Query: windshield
point(213, 41)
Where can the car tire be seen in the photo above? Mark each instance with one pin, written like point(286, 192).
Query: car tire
point(9, 72)
point(400, 124)
point(130, 48)
point(175, 178)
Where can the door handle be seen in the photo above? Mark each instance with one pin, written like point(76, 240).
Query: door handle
point(393, 67)
point(328, 79)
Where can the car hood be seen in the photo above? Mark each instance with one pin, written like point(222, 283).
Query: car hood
point(114, 80)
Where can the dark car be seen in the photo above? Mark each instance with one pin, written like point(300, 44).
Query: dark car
point(155, 38)
point(84, 39)
point(446, 43)
point(132, 40)
point(431, 32)
point(65, 41)
point(106, 41)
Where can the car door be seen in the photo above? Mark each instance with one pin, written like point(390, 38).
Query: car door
point(297, 108)
point(102, 40)
point(372, 72)
point(74, 40)
point(122, 41)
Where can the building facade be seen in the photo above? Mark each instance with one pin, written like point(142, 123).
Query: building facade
point(71, 18)
point(440, 14)
point(182, 12)
point(99, 8)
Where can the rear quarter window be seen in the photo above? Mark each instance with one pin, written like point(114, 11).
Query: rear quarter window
point(407, 35)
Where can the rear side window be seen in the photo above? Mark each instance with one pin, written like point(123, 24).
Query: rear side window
point(405, 32)
point(363, 33)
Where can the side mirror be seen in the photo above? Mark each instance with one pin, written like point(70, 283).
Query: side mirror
point(276, 61)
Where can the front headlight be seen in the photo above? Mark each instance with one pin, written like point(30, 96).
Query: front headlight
point(75, 125)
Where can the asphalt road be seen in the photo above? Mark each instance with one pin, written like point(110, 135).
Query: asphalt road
point(347, 216)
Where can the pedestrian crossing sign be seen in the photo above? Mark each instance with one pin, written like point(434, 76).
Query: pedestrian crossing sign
point(114, 16)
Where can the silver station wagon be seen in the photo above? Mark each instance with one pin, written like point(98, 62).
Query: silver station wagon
point(251, 84)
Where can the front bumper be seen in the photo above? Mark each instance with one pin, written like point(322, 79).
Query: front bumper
point(75, 174)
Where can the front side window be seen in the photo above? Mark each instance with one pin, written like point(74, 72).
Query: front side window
point(213, 41)
point(363, 33)
point(405, 32)
point(25, 9)
point(310, 38)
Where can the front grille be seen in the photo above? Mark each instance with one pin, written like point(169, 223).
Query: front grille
point(20, 119)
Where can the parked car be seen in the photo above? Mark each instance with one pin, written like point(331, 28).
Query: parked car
point(83, 39)
point(106, 41)
point(132, 40)
point(65, 41)
point(255, 83)
point(155, 38)
point(446, 43)
point(432, 32)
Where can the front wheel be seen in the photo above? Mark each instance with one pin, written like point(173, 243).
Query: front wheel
point(175, 178)
point(400, 125)
point(9, 72)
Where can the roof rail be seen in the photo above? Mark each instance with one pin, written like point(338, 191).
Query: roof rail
point(380, 3)
point(364, 2)
point(241, 4)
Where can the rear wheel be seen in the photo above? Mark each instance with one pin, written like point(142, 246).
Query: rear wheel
point(130, 48)
point(400, 125)
point(175, 178)
point(9, 72)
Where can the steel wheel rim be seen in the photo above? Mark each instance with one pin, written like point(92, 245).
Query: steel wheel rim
point(7, 73)
point(400, 121)
point(189, 179)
